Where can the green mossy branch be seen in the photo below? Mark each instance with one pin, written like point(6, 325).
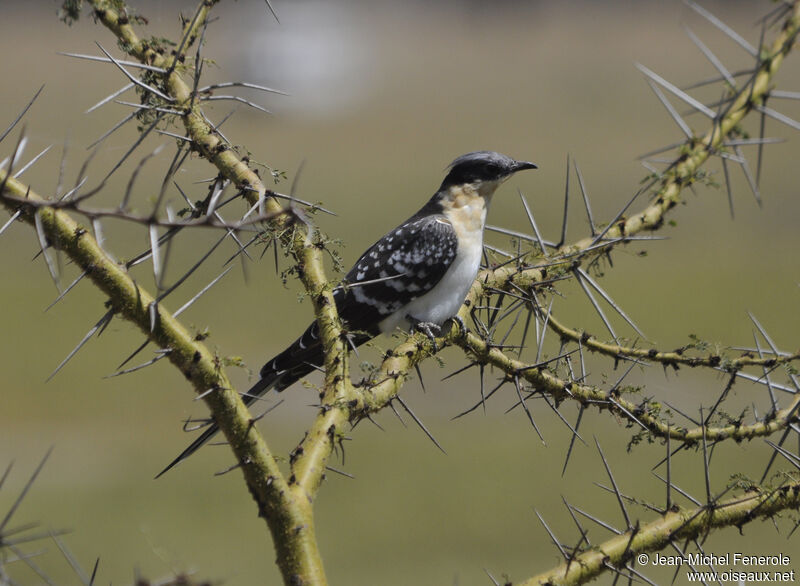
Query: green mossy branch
point(676, 524)
point(673, 358)
point(205, 139)
point(310, 457)
point(646, 413)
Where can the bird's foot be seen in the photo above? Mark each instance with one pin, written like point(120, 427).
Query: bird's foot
point(459, 323)
point(430, 329)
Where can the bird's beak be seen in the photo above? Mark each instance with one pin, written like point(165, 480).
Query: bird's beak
point(522, 165)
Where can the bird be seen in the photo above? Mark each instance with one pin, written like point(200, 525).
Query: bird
point(415, 277)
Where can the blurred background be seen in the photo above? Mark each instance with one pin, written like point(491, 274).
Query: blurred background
point(383, 96)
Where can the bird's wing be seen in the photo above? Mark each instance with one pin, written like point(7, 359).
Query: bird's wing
point(400, 267)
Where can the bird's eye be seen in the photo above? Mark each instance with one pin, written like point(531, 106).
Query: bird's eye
point(493, 170)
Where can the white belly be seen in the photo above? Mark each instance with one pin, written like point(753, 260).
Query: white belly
point(445, 299)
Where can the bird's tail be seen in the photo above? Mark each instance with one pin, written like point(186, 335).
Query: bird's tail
point(261, 387)
point(282, 371)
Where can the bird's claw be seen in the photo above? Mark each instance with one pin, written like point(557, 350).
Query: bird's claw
point(433, 330)
point(462, 327)
point(430, 329)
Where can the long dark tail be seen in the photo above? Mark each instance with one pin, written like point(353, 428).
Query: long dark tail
point(284, 370)
point(261, 387)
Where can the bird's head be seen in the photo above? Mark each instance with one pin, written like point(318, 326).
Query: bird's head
point(482, 171)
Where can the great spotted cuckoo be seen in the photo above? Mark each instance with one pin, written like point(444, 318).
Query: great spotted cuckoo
point(416, 276)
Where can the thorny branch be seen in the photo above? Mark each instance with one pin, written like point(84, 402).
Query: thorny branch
point(198, 364)
point(169, 88)
point(285, 504)
point(673, 525)
point(678, 357)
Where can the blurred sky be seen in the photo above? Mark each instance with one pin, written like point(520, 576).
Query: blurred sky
point(383, 96)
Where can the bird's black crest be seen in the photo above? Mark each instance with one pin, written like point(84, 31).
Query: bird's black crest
point(482, 166)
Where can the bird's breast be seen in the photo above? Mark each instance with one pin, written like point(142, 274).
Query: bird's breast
point(466, 210)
